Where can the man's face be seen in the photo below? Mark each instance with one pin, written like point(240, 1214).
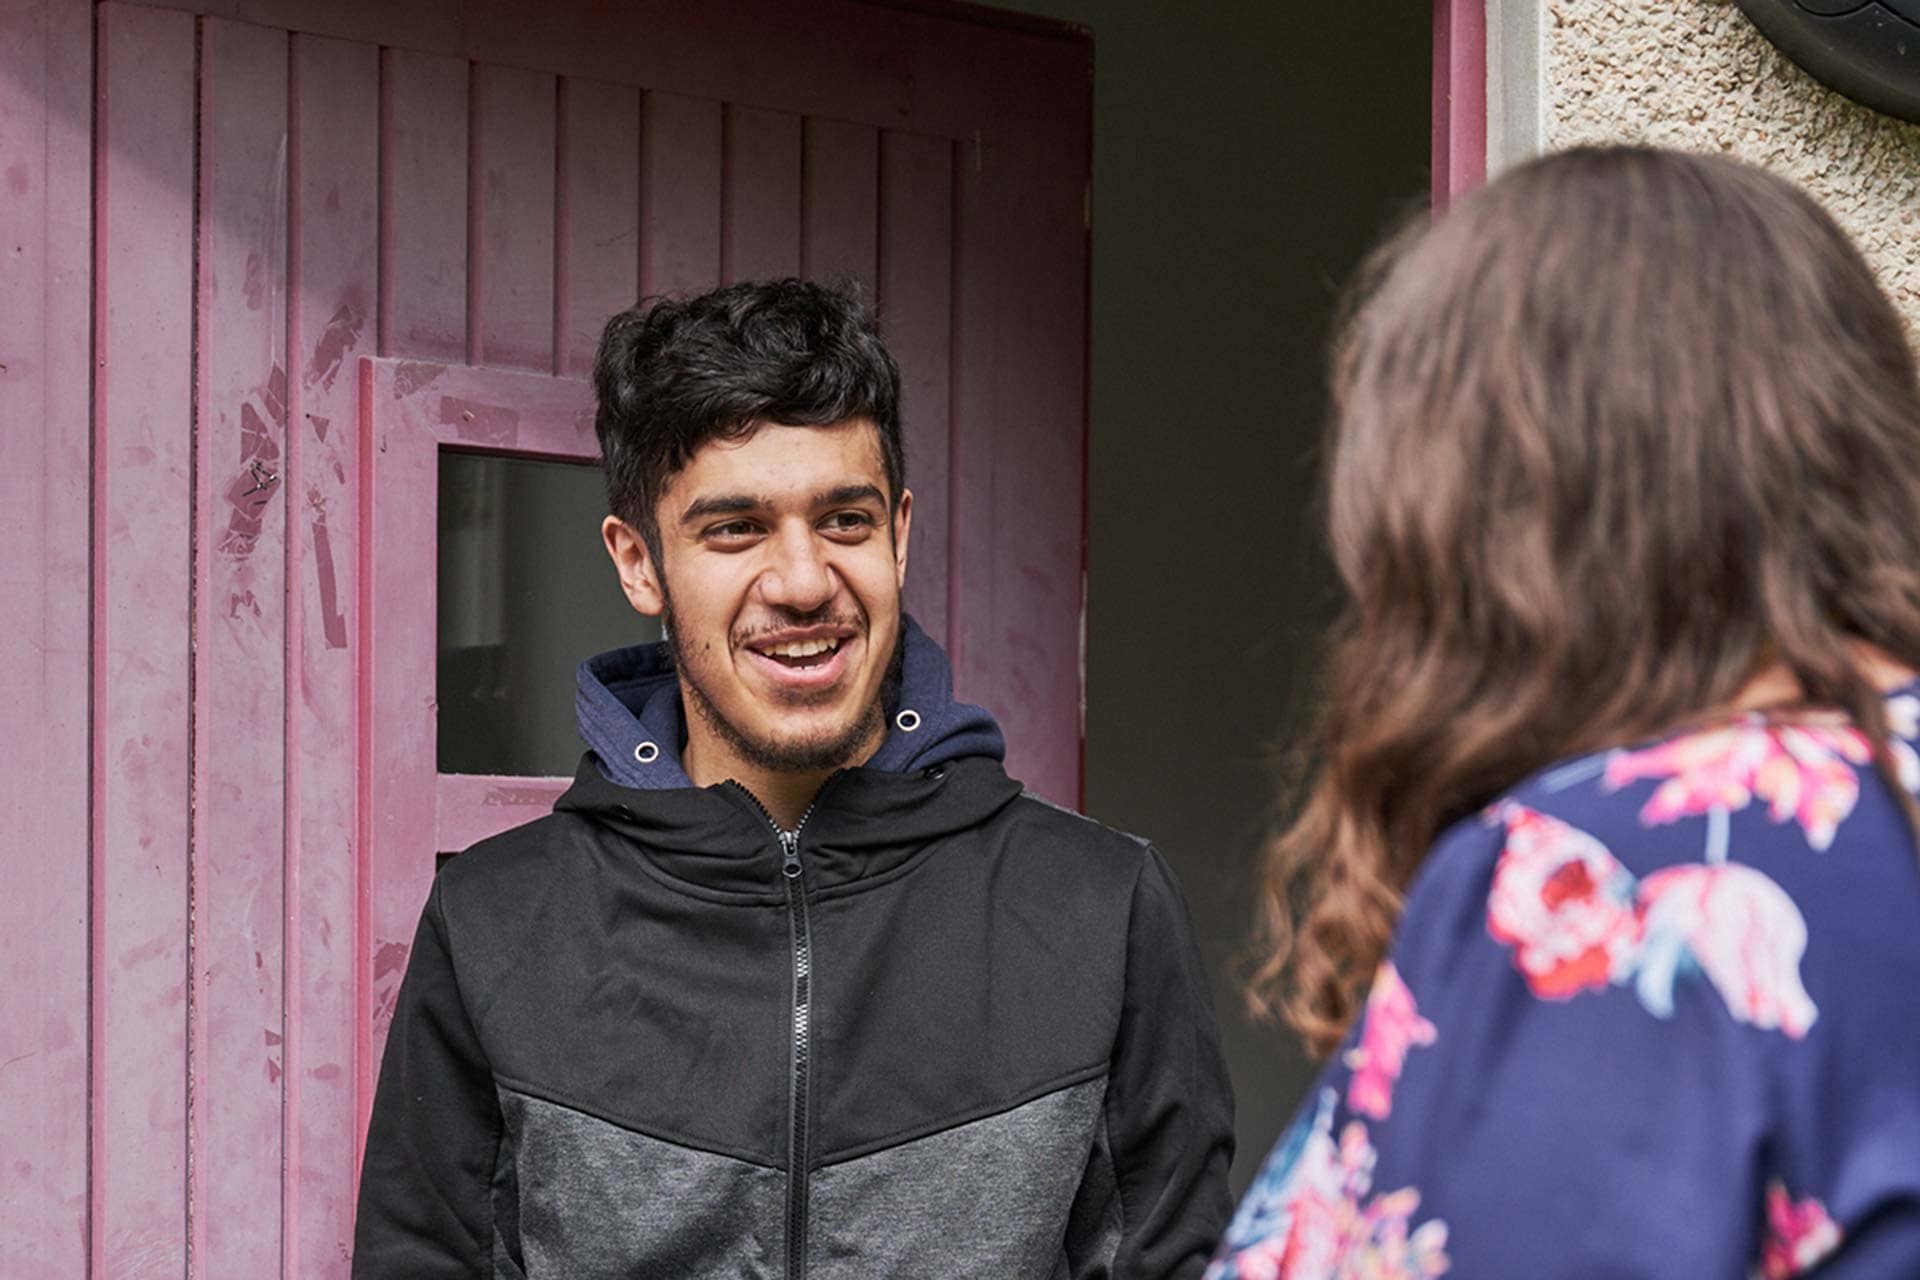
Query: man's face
point(779, 573)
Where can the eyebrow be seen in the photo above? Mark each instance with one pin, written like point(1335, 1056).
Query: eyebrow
point(733, 504)
point(729, 504)
point(850, 493)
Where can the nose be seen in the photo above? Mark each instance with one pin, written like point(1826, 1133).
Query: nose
point(798, 577)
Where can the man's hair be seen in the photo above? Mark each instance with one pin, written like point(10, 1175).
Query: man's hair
point(674, 374)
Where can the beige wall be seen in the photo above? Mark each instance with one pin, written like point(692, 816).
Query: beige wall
point(1696, 74)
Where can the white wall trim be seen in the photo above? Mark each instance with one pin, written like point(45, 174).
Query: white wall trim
point(1516, 123)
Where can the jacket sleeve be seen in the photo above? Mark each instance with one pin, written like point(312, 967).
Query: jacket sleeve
point(425, 1208)
point(1169, 1103)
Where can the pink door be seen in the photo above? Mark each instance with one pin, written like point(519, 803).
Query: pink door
point(263, 263)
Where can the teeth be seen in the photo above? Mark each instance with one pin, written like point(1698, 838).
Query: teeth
point(803, 648)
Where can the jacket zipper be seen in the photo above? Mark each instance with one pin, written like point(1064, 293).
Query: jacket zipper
point(800, 931)
point(800, 937)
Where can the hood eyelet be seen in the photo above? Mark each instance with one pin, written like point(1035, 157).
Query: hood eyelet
point(907, 721)
point(646, 753)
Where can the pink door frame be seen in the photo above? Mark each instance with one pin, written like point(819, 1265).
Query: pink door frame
point(409, 810)
point(1459, 99)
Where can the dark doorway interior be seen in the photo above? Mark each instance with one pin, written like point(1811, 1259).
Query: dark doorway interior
point(1245, 158)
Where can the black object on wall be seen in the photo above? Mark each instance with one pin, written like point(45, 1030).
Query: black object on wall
point(1868, 50)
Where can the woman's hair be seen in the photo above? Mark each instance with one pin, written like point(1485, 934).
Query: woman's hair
point(1623, 428)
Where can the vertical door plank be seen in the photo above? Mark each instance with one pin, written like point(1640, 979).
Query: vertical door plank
point(334, 186)
point(599, 215)
point(510, 294)
point(679, 194)
point(143, 400)
point(916, 314)
point(400, 484)
point(760, 226)
point(239, 652)
point(840, 215)
point(46, 59)
point(1019, 443)
point(423, 219)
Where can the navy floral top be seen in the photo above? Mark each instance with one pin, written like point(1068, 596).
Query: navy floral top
point(1656, 1012)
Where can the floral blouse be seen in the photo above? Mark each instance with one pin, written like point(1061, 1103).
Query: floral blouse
point(1655, 1012)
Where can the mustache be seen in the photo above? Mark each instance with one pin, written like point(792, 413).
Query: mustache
point(786, 619)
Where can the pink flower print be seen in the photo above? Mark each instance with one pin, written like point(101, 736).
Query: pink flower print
point(1799, 1235)
point(1803, 771)
point(1563, 903)
point(1392, 1025)
point(1578, 921)
point(1743, 932)
point(1326, 1224)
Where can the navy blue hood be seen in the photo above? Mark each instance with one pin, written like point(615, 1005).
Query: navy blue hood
point(628, 701)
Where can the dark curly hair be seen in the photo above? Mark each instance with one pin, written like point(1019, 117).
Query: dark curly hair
point(674, 374)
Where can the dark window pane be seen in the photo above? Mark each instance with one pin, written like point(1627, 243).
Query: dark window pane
point(526, 592)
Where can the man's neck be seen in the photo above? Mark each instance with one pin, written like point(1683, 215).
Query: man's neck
point(785, 796)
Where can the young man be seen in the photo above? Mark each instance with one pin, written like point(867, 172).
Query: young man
point(795, 981)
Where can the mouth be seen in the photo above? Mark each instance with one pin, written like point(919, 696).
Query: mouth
point(809, 658)
point(800, 655)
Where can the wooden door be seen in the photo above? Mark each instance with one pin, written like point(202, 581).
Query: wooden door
point(235, 225)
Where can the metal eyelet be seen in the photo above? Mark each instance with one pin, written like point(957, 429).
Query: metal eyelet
point(646, 753)
point(907, 720)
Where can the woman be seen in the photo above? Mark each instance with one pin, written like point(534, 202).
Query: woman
point(1606, 888)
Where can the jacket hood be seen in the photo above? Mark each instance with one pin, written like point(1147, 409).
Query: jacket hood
point(937, 772)
point(633, 721)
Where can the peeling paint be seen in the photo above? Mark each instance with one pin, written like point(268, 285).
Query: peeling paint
point(274, 395)
point(480, 423)
point(337, 340)
point(255, 286)
point(516, 797)
point(391, 958)
point(414, 375)
point(258, 479)
point(333, 623)
point(319, 425)
point(150, 950)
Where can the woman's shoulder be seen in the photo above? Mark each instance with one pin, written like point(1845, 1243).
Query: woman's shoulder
point(1759, 853)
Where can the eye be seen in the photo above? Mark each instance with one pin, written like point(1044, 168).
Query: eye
point(731, 533)
point(857, 523)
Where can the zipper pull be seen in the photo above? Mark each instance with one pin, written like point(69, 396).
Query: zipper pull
point(790, 846)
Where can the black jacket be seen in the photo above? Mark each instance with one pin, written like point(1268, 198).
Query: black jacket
point(945, 1030)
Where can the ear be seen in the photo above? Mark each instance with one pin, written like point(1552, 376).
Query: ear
point(639, 576)
point(902, 528)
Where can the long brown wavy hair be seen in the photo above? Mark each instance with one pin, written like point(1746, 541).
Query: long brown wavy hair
point(1619, 431)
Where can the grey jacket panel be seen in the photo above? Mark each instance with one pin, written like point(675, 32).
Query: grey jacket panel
point(599, 1202)
point(987, 1199)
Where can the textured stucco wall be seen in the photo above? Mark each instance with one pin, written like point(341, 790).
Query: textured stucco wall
point(1695, 74)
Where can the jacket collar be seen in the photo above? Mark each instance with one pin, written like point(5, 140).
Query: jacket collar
point(938, 771)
